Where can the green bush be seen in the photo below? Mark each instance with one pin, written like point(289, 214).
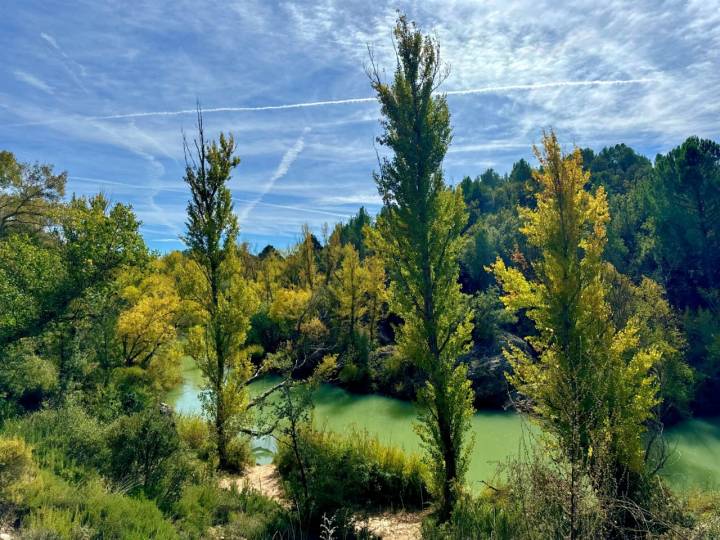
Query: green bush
point(15, 464)
point(67, 441)
point(231, 513)
point(144, 454)
point(351, 471)
point(194, 432)
point(479, 517)
point(59, 510)
point(239, 454)
point(134, 387)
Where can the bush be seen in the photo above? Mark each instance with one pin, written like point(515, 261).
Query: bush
point(15, 464)
point(194, 433)
point(67, 441)
point(351, 471)
point(134, 386)
point(232, 513)
point(144, 453)
point(57, 509)
point(474, 518)
point(239, 454)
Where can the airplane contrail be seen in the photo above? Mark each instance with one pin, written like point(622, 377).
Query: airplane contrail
point(350, 101)
point(287, 160)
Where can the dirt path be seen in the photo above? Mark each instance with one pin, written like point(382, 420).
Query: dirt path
point(395, 526)
point(388, 526)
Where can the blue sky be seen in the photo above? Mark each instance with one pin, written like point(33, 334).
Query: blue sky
point(73, 75)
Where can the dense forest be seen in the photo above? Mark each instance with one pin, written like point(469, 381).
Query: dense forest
point(582, 291)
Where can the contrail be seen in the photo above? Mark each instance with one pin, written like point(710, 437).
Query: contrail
point(297, 208)
point(350, 101)
point(287, 160)
point(541, 86)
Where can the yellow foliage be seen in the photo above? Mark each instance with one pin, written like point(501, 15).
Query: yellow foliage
point(149, 323)
point(290, 304)
point(592, 385)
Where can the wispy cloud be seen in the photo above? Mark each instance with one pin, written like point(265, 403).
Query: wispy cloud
point(70, 65)
point(50, 40)
point(296, 208)
point(33, 81)
point(282, 169)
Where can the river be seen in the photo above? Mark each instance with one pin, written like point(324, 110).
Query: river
point(695, 443)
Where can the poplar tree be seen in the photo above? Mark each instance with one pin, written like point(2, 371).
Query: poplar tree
point(349, 290)
point(224, 299)
point(419, 237)
point(591, 385)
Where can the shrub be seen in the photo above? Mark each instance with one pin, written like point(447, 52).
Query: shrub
point(142, 450)
point(58, 509)
point(134, 386)
point(232, 513)
point(351, 471)
point(239, 454)
point(194, 433)
point(66, 441)
point(475, 518)
point(15, 464)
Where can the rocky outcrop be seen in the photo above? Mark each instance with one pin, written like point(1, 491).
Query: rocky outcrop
point(487, 369)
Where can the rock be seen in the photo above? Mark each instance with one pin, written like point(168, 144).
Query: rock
point(488, 369)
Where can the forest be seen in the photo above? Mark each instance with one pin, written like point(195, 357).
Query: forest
point(580, 293)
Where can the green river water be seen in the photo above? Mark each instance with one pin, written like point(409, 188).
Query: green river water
point(695, 459)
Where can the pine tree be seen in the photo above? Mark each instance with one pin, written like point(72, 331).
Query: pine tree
point(419, 237)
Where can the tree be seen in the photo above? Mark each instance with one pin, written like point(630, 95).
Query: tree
point(591, 386)
point(376, 293)
point(419, 237)
point(686, 194)
point(27, 194)
point(349, 290)
point(147, 328)
point(306, 254)
point(224, 299)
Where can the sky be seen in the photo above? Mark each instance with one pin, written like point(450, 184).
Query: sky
point(104, 91)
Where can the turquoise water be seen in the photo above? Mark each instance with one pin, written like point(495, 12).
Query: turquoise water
point(695, 444)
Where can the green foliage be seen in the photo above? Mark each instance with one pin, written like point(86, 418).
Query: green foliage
point(144, 449)
point(222, 298)
point(31, 274)
point(686, 193)
point(57, 509)
point(16, 465)
point(100, 239)
point(419, 237)
point(29, 194)
point(239, 454)
point(230, 513)
point(480, 517)
point(351, 471)
point(66, 441)
point(194, 433)
point(593, 386)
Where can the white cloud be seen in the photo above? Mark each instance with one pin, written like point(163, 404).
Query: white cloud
point(33, 81)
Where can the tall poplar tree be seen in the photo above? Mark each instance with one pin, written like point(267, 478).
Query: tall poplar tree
point(591, 385)
point(224, 299)
point(419, 237)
